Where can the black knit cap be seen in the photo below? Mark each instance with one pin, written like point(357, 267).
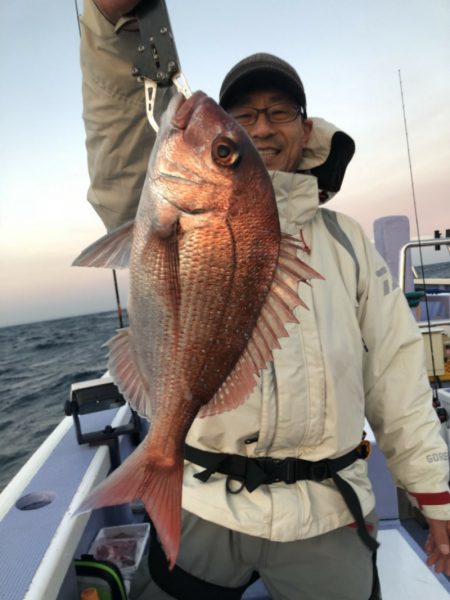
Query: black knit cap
point(262, 70)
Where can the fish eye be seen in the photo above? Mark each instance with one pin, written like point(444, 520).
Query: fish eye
point(225, 152)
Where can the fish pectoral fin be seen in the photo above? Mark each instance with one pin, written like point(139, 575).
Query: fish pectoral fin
point(126, 375)
point(111, 251)
point(277, 310)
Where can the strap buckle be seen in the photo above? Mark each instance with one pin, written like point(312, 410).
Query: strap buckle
point(279, 469)
point(290, 475)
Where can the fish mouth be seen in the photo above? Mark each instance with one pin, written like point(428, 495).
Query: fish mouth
point(185, 108)
point(171, 112)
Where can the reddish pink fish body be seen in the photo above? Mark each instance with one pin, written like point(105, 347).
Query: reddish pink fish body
point(212, 282)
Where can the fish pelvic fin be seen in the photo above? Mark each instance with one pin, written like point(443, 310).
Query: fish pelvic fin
point(277, 310)
point(112, 251)
point(126, 375)
point(157, 483)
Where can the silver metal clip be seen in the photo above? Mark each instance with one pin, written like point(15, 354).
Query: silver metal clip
point(150, 88)
point(181, 84)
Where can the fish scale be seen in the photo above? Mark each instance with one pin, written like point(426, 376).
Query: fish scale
point(211, 311)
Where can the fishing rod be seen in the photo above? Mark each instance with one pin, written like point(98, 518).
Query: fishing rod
point(78, 17)
point(116, 286)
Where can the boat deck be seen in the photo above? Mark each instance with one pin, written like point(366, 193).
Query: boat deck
point(36, 562)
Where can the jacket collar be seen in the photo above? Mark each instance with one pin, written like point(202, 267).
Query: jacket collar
point(297, 199)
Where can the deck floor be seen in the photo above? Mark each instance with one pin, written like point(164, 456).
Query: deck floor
point(402, 570)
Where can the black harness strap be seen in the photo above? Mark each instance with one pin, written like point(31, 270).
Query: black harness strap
point(253, 472)
point(353, 504)
point(376, 589)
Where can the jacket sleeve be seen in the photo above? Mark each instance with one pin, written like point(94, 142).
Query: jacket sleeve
point(398, 396)
point(118, 135)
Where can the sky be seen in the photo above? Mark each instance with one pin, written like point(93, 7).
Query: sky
point(348, 54)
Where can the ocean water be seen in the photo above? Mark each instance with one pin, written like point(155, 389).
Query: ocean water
point(38, 363)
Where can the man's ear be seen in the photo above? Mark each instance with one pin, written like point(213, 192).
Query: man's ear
point(307, 129)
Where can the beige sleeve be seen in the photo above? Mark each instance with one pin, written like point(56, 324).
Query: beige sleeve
point(118, 136)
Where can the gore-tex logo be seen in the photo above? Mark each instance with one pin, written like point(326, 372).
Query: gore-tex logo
point(437, 457)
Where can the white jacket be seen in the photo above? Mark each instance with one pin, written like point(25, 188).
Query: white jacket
point(357, 352)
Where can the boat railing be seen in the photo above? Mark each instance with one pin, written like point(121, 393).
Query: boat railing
point(445, 241)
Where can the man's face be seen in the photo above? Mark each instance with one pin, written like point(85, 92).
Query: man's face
point(279, 144)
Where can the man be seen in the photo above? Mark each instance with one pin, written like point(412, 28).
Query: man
point(356, 352)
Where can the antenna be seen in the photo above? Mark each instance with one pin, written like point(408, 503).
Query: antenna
point(435, 377)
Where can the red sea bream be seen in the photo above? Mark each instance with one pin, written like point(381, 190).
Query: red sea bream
point(212, 283)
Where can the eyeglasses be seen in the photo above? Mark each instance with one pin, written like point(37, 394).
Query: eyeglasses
point(276, 113)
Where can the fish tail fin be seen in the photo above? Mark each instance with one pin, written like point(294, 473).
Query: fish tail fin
point(162, 500)
point(157, 484)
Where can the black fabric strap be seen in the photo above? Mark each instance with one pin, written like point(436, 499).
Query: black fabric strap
point(376, 589)
point(253, 472)
point(180, 584)
point(354, 506)
point(256, 471)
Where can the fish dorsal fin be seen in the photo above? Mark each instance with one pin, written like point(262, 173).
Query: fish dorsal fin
point(126, 374)
point(270, 327)
point(111, 251)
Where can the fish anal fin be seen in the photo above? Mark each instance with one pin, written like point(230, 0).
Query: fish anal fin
point(276, 312)
point(126, 374)
point(111, 251)
point(157, 483)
